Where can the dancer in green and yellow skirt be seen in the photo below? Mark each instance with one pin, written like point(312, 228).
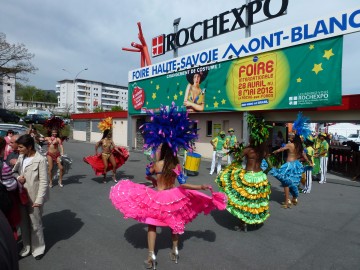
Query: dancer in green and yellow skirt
point(248, 189)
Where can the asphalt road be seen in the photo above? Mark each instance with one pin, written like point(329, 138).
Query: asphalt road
point(84, 231)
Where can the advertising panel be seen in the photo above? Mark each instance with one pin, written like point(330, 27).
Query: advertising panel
point(303, 76)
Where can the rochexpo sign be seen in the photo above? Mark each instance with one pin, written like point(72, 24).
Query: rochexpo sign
point(338, 24)
point(223, 23)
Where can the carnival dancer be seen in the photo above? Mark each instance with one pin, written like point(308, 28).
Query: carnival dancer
point(168, 205)
point(230, 141)
point(218, 144)
point(53, 155)
point(111, 157)
point(289, 174)
point(323, 154)
point(248, 189)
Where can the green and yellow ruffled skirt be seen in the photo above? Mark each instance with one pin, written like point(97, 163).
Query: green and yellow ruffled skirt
point(247, 192)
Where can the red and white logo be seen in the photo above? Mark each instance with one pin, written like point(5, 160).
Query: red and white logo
point(138, 98)
point(158, 45)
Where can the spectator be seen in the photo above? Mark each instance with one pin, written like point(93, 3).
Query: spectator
point(13, 156)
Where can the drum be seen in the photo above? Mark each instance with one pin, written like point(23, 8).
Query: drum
point(192, 163)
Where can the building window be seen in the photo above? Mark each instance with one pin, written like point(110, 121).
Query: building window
point(8, 91)
point(209, 128)
point(80, 125)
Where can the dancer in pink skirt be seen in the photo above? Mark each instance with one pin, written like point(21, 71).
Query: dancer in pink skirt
point(167, 205)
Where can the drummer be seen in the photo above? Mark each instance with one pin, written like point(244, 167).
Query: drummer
point(231, 140)
point(218, 144)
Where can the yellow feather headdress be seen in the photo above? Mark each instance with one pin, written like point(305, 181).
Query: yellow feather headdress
point(105, 124)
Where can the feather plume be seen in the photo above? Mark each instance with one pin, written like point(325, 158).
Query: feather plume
point(170, 126)
point(302, 125)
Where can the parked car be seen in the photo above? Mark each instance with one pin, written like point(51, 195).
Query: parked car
point(4, 131)
point(342, 139)
point(18, 129)
point(8, 116)
point(354, 138)
point(35, 119)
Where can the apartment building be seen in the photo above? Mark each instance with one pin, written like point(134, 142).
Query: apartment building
point(7, 91)
point(80, 95)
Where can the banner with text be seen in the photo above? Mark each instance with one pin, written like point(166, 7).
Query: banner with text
point(304, 76)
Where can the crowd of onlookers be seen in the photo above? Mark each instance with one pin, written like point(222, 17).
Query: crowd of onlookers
point(23, 192)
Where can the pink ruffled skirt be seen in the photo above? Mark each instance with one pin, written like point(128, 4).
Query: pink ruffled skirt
point(173, 208)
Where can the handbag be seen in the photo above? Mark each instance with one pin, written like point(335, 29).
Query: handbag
point(24, 196)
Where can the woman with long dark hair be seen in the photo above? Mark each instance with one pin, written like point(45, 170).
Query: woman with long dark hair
point(290, 173)
point(168, 205)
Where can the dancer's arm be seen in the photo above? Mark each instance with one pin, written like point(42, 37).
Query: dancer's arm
point(196, 187)
point(304, 155)
point(61, 146)
point(282, 149)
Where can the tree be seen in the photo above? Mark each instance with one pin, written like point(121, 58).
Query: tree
point(117, 109)
point(32, 93)
point(14, 59)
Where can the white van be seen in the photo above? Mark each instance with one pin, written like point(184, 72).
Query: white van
point(48, 114)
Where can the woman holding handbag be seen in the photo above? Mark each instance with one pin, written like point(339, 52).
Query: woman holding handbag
point(31, 172)
point(9, 182)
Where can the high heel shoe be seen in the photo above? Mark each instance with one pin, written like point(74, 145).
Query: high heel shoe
point(294, 201)
point(150, 263)
point(174, 255)
point(287, 204)
point(114, 178)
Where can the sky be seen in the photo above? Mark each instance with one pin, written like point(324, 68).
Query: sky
point(78, 34)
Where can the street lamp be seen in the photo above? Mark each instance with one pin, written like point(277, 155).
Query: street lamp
point(74, 89)
point(176, 24)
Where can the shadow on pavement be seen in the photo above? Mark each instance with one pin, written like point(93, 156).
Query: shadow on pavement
point(119, 176)
point(277, 195)
point(225, 219)
point(60, 226)
point(74, 179)
point(133, 160)
point(137, 236)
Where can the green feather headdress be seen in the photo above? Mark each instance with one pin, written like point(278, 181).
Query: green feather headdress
point(259, 130)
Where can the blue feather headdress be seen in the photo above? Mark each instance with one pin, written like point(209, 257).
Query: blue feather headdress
point(302, 125)
point(170, 126)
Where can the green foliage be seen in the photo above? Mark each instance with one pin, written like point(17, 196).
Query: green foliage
point(237, 150)
point(98, 109)
point(31, 93)
point(117, 109)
